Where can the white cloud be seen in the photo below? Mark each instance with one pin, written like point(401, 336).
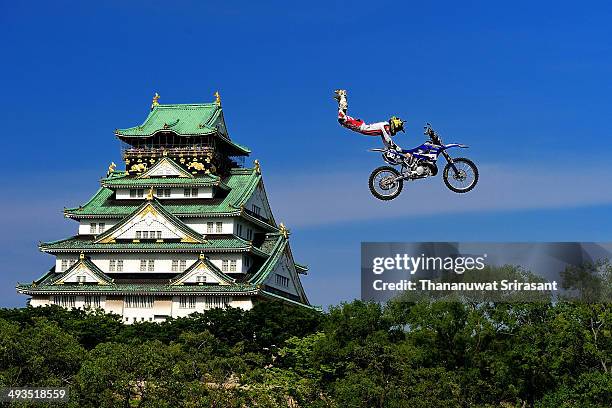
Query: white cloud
point(324, 198)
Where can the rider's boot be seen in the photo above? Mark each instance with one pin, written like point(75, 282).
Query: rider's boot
point(340, 96)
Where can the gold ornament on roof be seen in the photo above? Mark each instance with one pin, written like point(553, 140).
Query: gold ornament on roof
point(81, 255)
point(111, 168)
point(283, 230)
point(155, 100)
point(257, 166)
point(196, 165)
point(139, 167)
point(217, 98)
point(150, 194)
point(201, 255)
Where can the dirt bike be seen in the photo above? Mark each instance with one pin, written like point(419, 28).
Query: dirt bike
point(460, 175)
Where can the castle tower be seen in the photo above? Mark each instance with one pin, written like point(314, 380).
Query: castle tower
point(184, 228)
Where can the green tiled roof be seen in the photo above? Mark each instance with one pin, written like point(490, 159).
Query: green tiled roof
point(97, 272)
point(127, 182)
point(184, 120)
point(138, 288)
point(79, 244)
point(276, 243)
point(212, 268)
point(241, 182)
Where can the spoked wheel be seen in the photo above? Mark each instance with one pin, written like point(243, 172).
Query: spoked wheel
point(384, 183)
point(462, 180)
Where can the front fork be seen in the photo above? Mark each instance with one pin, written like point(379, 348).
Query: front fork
point(450, 161)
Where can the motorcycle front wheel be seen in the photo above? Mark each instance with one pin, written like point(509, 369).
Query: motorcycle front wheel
point(462, 180)
point(384, 183)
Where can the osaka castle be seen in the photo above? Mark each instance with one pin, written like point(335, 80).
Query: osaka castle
point(184, 228)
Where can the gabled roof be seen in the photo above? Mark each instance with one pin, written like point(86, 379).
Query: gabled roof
point(154, 208)
point(83, 264)
point(177, 171)
point(140, 288)
point(241, 182)
point(203, 265)
point(276, 244)
point(184, 120)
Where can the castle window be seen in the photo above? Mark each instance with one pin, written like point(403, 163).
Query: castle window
point(247, 261)
point(138, 234)
point(81, 278)
point(219, 227)
point(249, 234)
point(183, 265)
point(134, 301)
point(143, 265)
point(225, 265)
point(163, 192)
point(256, 209)
point(210, 227)
point(92, 301)
point(201, 279)
point(187, 192)
point(112, 265)
point(211, 302)
point(64, 301)
point(133, 193)
point(159, 235)
point(187, 302)
point(174, 265)
point(101, 227)
point(151, 267)
point(92, 228)
point(64, 265)
point(140, 192)
point(232, 267)
point(281, 280)
point(239, 230)
point(194, 192)
point(120, 265)
point(145, 234)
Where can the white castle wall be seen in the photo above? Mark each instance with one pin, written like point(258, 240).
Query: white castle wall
point(163, 306)
point(162, 264)
point(175, 193)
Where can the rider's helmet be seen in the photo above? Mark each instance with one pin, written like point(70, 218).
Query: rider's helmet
point(395, 125)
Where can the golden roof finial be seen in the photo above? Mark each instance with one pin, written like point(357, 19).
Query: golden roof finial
point(155, 100)
point(150, 194)
point(217, 98)
point(283, 230)
point(257, 166)
point(111, 168)
point(81, 255)
point(201, 255)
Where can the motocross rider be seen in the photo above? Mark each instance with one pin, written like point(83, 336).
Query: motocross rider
point(383, 129)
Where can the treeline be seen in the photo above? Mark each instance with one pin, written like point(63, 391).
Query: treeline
point(356, 355)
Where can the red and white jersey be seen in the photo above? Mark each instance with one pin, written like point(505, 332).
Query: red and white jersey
point(373, 129)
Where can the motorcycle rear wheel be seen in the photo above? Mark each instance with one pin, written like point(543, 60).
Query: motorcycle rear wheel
point(383, 184)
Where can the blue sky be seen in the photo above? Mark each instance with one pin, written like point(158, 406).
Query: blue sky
point(527, 85)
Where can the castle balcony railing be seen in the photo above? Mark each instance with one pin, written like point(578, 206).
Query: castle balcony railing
point(138, 152)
